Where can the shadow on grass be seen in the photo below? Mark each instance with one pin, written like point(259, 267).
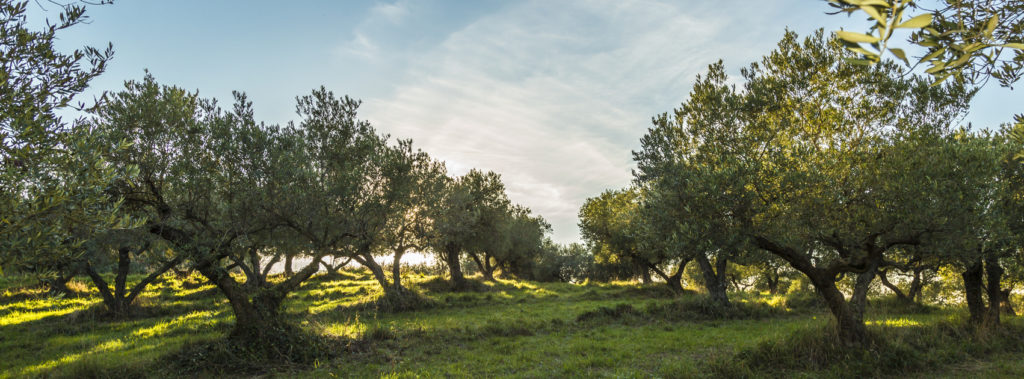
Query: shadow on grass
point(631, 292)
point(391, 302)
point(439, 285)
point(889, 351)
point(688, 308)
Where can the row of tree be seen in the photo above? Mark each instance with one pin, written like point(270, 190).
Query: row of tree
point(155, 178)
point(839, 169)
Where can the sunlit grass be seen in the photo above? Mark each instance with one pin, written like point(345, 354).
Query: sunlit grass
point(901, 322)
point(34, 310)
point(507, 328)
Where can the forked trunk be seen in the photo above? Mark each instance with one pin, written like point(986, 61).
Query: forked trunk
point(714, 281)
point(488, 268)
point(916, 285)
point(119, 302)
point(256, 310)
point(675, 280)
point(851, 328)
point(859, 300)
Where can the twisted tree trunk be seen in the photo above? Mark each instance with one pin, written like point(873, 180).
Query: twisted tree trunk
point(256, 309)
point(714, 281)
point(119, 301)
point(859, 300)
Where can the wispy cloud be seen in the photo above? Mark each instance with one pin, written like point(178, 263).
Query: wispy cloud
point(552, 95)
point(392, 12)
point(360, 46)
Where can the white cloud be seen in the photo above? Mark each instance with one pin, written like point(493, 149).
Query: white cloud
point(550, 95)
point(361, 46)
point(392, 12)
point(555, 95)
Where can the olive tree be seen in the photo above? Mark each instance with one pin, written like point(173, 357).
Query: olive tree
point(53, 176)
point(823, 163)
point(212, 184)
point(463, 219)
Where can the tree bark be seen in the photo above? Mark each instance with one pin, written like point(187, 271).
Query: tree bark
point(366, 259)
point(994, 276)
point(972, 277)
point(120, 301)
point(396, 270)
point(713, 281)
point(124, 261)
point(257, 311)
point(451, 257)
point(288, 265)
point(483, 265)
point(859, 299)
point(488, 269)
point(883, 276)
point(772, 279)
point(851, 330)
point(851, 327)
point(645, 275)
point(675, 281)
point(1006, 305)
point(916, 285)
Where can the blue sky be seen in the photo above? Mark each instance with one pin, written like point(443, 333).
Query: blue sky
point(553, 95)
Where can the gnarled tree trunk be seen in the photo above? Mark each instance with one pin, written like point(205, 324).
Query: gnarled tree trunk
point(451, 257)
point(714, 278)
point(484, 264)
point(119, 301)
point(256, 309)
point(365, 258)
point(859, 299)
point(972, 278)
point(675, 280)
point(851, 327)
point(851, 330)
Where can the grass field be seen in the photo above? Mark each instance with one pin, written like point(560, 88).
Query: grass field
point(507, 328)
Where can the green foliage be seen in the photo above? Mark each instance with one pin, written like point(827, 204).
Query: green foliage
point(53, 175)
point(972, 41)
point(827, 165)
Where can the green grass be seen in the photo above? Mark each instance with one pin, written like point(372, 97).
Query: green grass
point(508, 328)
